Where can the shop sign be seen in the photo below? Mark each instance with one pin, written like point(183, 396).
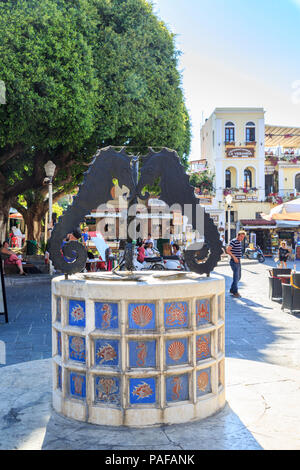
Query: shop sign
point(240, 197)
point(240, 152)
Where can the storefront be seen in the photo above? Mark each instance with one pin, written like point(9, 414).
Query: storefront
point(260, 232)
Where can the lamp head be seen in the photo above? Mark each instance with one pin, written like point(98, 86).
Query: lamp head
point(50, 169)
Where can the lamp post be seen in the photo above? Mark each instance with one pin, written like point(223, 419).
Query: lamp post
point(228, 202)
point(50, 170)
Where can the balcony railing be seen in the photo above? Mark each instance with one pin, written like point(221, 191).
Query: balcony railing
point(289, 157)
point(284, 195)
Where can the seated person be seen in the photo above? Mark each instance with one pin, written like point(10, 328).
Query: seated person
point(149, 251)
point(176, 250)
point(140, 251)
point(10, 258)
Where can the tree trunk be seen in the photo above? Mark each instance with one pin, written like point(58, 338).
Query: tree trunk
point(33, 219)
point(4, 217)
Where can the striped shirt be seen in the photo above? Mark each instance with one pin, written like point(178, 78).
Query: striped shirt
point(236, 248)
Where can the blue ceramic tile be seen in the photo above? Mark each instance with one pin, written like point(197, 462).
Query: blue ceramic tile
point(203, 347)
point(176, 314)
point(77, 348)
point(59, 377)
point(141, 316)
point(177, 388)
point(203, 382)
point(107, 390)
point(142, 390)
point(58, 309)
point(106, 315)
point(142, 353)
point(219, 306)
point(77, 312)
point(176, 351)
point(59, 343)
point(203, 314)
point(106, 352)
point(77, 385)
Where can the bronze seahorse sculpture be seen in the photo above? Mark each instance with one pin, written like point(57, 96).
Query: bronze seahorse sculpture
point(176, 189)
point(95, 190)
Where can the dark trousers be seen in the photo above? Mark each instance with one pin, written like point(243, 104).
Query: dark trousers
point(237, 273)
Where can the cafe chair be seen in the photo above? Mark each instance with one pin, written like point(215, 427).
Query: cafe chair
point(275, 282)
point(291, 294)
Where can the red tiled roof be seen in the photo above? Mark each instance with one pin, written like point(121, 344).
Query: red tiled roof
point(258, 222)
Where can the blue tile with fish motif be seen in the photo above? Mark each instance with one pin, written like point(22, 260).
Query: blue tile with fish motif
point(142, 390)
point(106, 352)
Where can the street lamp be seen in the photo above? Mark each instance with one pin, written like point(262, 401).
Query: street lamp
point(228, 199)
point(50, 170)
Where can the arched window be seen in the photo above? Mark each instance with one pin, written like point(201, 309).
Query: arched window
point(247, 179)
point(297, 183)
point(250, 132)
point(228, 179)
point(229, 132)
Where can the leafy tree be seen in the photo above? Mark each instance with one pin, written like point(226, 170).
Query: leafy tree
point(82, 75)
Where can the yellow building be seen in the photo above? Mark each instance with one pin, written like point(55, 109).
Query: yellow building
point(257, 164)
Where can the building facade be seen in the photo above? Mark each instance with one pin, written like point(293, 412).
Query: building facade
point(256, 164)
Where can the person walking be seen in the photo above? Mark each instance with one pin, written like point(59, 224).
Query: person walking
point(234, 250)
point(283, 254)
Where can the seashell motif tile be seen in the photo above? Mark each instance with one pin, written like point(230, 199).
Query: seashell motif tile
point(141, 316)
point(176, 351)
point(203, 382)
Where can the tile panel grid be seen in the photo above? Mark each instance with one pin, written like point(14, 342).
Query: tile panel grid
point(126, 379)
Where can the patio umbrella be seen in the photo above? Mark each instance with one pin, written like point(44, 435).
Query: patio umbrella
point(286, 211)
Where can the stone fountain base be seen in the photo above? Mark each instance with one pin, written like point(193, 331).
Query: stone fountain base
point(138, 349)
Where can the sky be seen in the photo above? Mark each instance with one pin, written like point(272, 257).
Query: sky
point(236, 53)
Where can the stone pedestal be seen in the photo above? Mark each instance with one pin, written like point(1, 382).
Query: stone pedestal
point(138, 352)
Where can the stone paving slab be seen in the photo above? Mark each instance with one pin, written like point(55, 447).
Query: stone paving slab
point(254, 417)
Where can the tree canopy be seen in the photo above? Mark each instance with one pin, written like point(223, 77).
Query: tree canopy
point(82, 75)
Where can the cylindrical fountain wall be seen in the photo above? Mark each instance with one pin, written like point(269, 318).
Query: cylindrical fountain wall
point(138, 352)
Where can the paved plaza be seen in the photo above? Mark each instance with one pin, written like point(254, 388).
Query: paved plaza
point(262, 379)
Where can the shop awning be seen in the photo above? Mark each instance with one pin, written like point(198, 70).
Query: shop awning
point(282, 136)
point(286, 211)
point(258, 223)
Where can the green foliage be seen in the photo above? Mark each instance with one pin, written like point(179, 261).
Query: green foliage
point(204, 181)
point(81, 75)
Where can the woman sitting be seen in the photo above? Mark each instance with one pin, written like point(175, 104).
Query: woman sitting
point(10, 258)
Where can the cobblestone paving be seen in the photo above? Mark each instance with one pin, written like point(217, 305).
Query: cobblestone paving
point(256, 327)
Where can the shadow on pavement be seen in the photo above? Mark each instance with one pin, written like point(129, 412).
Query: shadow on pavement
point(222, 431)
